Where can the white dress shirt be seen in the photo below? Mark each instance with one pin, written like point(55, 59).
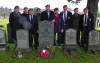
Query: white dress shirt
point(64, 17)
point(30, 17)
point(86, 19)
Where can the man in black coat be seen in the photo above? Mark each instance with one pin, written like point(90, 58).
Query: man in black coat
point(38, 14)
point(25, 12)
point(14, 23)
point(75, 23)
point(33, 31)
point(47, 14)
point(65, 17)
point(87, 24)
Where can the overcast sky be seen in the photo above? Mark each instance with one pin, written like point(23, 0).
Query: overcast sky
point(42, 3)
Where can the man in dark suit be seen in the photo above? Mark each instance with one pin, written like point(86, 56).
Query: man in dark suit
point(14, 23)
point(47, 14)
point(87, 24)
point(75, 23)
point(65, 21)
point(33, 31)
point(25, 12)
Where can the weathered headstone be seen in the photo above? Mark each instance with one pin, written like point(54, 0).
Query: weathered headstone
point(46, 34)
point(22, 40)
point(70, 46)
point(23, 21)
point(3, 44)
point(94, 41)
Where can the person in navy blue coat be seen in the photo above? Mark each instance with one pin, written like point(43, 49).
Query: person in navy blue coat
point(57, 22)
point(65, 21)
point(47, 14)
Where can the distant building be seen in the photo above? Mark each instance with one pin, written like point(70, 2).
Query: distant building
point(5, 12)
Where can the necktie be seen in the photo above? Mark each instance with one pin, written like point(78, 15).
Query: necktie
point(65, 17)
point(31, 17)
point(48, 13)
point(85, 19)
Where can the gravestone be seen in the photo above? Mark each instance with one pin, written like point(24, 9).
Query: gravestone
point(23, 21)
point(94, 41)
point(22, 40)
point(46, 34)
point(70, 46)
point(3, 44)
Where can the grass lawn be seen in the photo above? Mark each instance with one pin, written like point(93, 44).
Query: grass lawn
point(59, 57)
point(81, 57)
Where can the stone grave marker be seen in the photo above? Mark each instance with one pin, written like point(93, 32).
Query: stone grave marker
point(70, 46)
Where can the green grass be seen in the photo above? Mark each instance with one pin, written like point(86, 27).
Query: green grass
point(59, 57)
point(10, 57)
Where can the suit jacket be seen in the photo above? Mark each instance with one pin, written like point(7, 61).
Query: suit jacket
point(38, 15)
point(67, 23)
point(90, 22)
point(44, 16)
point(34, 23)
point(24, 14)
point(75, 21)
point(59, 25)
point(14, 20)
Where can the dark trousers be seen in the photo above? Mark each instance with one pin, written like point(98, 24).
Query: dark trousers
point(62, 38)
point(58, 38)
point(78, 38)
point(13, 35)
point(31, 36)
point(85, 39)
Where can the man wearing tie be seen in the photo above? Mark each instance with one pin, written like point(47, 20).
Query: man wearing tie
point(33, 31)
point(75, 21)
point(87, 24)
point(65, 21)
point(47, 14)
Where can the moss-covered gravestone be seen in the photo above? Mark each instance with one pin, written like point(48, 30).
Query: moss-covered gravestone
point(46, 34)
point(94, 41)
point(22, 39)
point(3, 44)
point(70, 46)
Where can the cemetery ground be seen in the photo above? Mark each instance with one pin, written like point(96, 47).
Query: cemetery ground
point(34, 57)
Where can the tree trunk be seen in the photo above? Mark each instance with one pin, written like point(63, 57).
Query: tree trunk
point(92, 5)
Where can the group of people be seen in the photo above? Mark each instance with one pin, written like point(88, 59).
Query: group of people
point(62, 21)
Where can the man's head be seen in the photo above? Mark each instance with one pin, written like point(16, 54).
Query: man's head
point(56, 10)
point(47, 7)
point(16, 8)
point(25, 10)
point(65, 7)
point(30, 11)
point(38, 10)
point(85, 10)
point(76, 10)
